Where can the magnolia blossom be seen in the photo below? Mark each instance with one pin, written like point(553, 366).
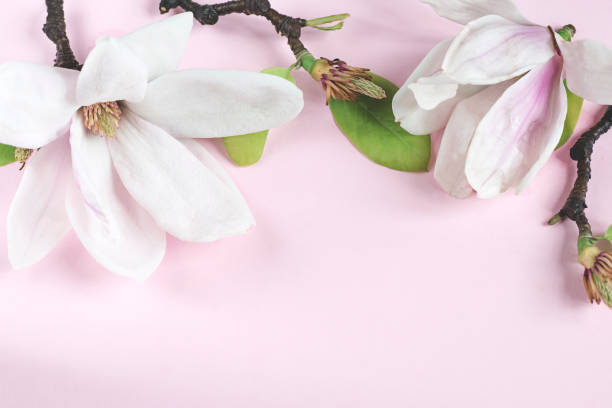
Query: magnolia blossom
point(498, 90)
point(116, 158)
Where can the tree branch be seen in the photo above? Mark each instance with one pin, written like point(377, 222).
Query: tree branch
point(55, 29)
point(575, 205)
point(208, 14)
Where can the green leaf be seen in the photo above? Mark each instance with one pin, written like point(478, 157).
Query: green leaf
point(7, 154)
point(280, 72)
point(245, 150)
point(574, 107)
point(370, 126)
point(608, 234)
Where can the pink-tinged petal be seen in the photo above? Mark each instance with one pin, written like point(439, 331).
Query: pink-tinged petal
point(406, 109)
point(36, 102)
point(137, 245)
point(588, 69)
point(161, 45)
point(37, 218)
point(203, 103)
point(464, 11)
point(519, 134)
point(93, 171)
point(186, 198)
point(112, 72)
point(492, 50)
point(450, 164)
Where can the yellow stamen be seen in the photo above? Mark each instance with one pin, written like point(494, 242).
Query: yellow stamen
point(102, 118)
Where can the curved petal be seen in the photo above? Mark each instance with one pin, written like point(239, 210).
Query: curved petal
point(37, 218)
point(406, 109)
point(93, 171)
point(492, 50)
point(431, 91)
point(213, 165)
point(111, 73)
point(588, 69)
point(36, 102)
point(186, 198)
point(199, 103)
point(519, 134)
point(464, 11)
point(161, 45)
point(136, 247)
point(450, 164)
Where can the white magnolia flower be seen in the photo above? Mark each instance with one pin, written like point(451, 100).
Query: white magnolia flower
point(498, 89)
point(116, 159)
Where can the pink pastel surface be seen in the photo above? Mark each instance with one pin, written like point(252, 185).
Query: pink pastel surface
point(359, 287)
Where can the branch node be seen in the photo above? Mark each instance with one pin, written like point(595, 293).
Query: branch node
point(258, 7)
point(207, 15)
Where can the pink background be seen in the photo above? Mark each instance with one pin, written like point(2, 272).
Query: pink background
point(360, 286)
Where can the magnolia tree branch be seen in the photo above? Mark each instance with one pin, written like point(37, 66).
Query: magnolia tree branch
point(208, 14)
point(55, 29)
point(338, 79)
point(575, 205)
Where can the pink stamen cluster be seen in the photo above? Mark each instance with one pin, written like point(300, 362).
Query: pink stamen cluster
point(596, 275)
point(343, 82)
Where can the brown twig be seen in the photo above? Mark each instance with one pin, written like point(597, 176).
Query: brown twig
point(55, 29)
point(575, 205)
point(208, 14)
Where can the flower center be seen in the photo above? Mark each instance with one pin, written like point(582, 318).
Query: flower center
point(597, 275)
point(343, 82)
point(102, 118)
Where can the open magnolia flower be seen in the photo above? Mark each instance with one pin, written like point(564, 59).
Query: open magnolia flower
point(116, 160)
point(498, 89)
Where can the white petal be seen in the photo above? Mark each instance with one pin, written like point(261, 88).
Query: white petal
point(93, 172)
point(186, 198)
point(135, 249)
point(431, 91)
point(111, 73)
point(450, 164)
point(518, 135)
point(406, 109)
point(213, 165)
point(588, 69)
point(198, 103)
point(37, 218)
point(36, 102)
point(161, 45)
point(464, 11)
point(492, 50)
